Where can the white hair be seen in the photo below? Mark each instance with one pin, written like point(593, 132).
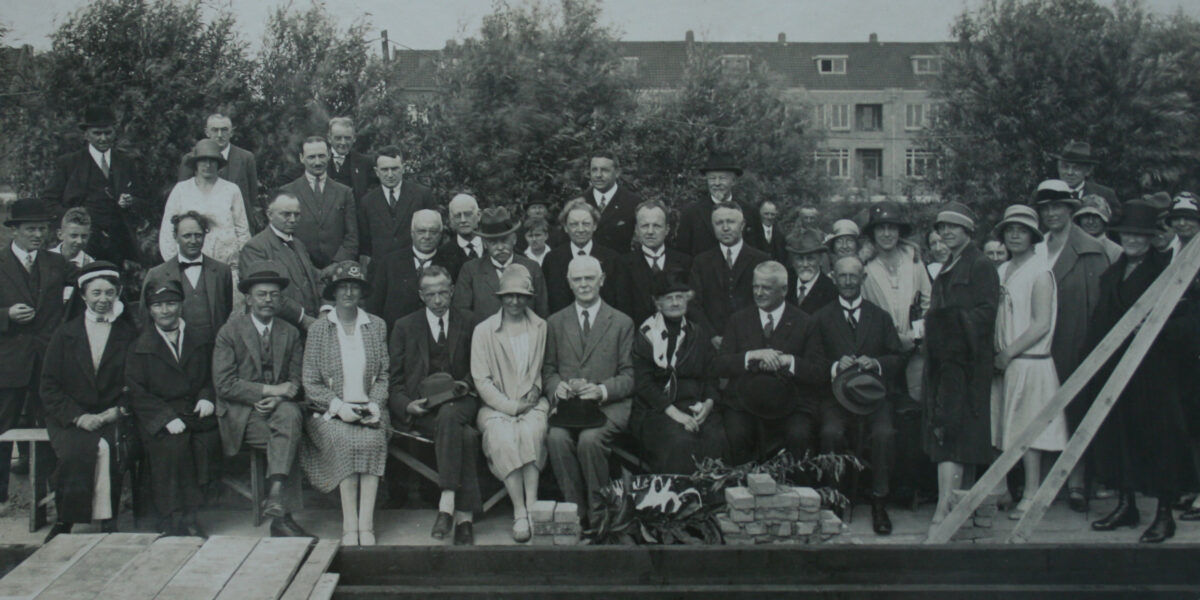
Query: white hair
point(461, 199)
point(426, 215)
point(772, 270)
point(584, 262)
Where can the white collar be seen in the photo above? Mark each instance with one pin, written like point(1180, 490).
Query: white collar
point(421, 256)
point(530, 253)
point(112, 315)
point(96, 155)
point(727, 202)
point(464, 242)
point(21, 254)
point(225, 152)
point(178, 341)
point(586, 249)
point(359, 320)
point(593, 310)
point(736, 249)
point(776, 315)
point(852, 307)
point(652, 255)
point(498, 266)
point(313, 180)
point(1079, 188)
point(395, 190)
point(767, 227)
point(607, 196)
point(259, 325)
point(283, 236)
point(433, 321)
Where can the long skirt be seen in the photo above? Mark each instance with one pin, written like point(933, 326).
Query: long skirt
point(510, 443)
point(668, 448)
point(334, 450)
point(74, 479)
point(179, 467)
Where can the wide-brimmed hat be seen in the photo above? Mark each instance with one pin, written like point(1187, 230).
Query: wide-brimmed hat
point(1055, 190)
point(1161, 201)
point(438, 388)
point(1094, 205)
point(859, 391)
point(767, 395)
point(1077, 152)
point(496, 223)
point(805, 241)
point(1140, 218)
point(346, 271)
point(956, 213)
point(27, 210)
point(1019, 214)
point(96, 269)
point(666, 282)
point(98, 115)
point(515, 280)
point(163, 289)
point(886, 212)
point(842, 228)
point(262, 272)
point(1185, 204)
point(205, 149)
point(721, 161)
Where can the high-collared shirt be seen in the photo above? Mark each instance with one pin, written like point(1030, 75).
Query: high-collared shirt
point(576, 250)
point(420, 259)
point(283, 236)
point(1077, 191)
point(538, 258)
point(259, 326)
point(225, 152)
point(475, 243)
point(436, 322)
point(26, 258)
point(500, 267)
point(391, 195)
point(655, 257)
point(80, 260)
point(776, 315)
point(604, 198)
point(734, 250)
point(193, 275)
point(768, 231)
point(101, 158)
point(728, 200)
point(176, 347)
point(804, 287)
point(98, 328)
point(853, 308)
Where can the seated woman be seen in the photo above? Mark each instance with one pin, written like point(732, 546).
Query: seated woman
point(346, 384)
point(673, 416)
point(506, 365)
point(169, 375)
point(82, 381)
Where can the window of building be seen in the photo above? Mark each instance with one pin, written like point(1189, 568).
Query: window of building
point(869, 117)
point(926, 64)
point(917, 163)
point(870, 162)
point(833, 116)
point(831, 65)
point(916, 116)
point(735, 63)
point(629, 66)
point(834, 163)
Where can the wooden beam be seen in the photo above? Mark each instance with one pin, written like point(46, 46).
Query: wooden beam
point(268, 570)
point(312, 570)
point(205, 574)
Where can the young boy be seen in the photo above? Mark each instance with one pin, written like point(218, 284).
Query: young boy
point(73, 234)
point(537, 231)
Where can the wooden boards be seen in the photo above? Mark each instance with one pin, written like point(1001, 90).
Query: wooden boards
point(148, 573)
point(265, 574)
point(83, 580)
point(313, 569)
point(40, 570)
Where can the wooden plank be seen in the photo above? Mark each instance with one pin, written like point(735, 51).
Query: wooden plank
point(40, 570)
point(39, 483)
point(310, 572)
point(266, 573)
point(25, 435)
point(145, 575)
point(203, 577)
point(414, 464)
point(98, 567)
point(325, 587)
point(1189, 260)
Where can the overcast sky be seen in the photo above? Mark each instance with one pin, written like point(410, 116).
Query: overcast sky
point(427, 24)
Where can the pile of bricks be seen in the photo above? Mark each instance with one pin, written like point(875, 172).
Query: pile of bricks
point(555, 523)
point(766, 513)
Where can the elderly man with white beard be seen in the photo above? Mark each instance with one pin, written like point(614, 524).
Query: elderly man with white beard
point(813, 289)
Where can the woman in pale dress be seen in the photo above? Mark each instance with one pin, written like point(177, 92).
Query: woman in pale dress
point(506, 364)
point(213, 197)
point(1024, 330)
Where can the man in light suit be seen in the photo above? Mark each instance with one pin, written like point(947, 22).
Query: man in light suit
point(207, 282)
point(347, 167)
point(394, 277)
point(722, 276)
point(590, 341)
point(478, 279)
point(635, 271)
point(613, 200)
point(385, 213)
point(257, 363)
point(300, 302)
point(330, 225)
point(240, 168)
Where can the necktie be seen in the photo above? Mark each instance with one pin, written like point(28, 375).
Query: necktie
point(338, 160)
point(422, 263)
point(602, 202)
point(586, 324)
point(803, 291)
point(441, 335)
point(391, 199)
point(470, 248)
point(769, 328)
point(28, 262)
point(729, 257)
point(317, 186)
point(850, 319)
point(104, 165)
point(268, 362)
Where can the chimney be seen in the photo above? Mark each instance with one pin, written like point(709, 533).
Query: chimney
point(690, 37)
point(782, 38)
point(874, 39)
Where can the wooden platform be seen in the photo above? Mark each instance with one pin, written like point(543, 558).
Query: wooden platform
point(138, 566)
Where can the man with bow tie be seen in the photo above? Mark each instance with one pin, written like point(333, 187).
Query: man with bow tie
point(207, 282)
point(635, 271)
point(394, 277)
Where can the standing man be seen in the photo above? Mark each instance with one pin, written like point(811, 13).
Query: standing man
point(300, 300)
point(767, 236)
point(239, 168)
point(103, 180)
point(394, 278)
point(579, 220)
point(464, 220)
point(1075, 166)
point(814, 289)
point(385, 213)
point(613, 200)
point(478, 279)
point(588, 358)
point(809, 217)
point(695, 234)
point(330, 225)
point(635, 272)
point(207, 282)
point(723, 276)
point(347, 167)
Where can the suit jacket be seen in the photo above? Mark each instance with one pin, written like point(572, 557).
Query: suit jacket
point(605, 357)
point(22, 344)
point(720, 291)
point(633, 285)
point(695, 232)
point(394, 283)
point(615, 229)
point(381, 229)
point(475, 288)
point(242, 170)
point(162, 389)
point(554, 267)
point(796, 334)
point(329, 224)
point(777, 247)
point(302, 296)
point(456, 255)
point(76, 179)
point(218, 283)
point(1077, 277)
point(237, 368)
point(71, 387)
point(409, 349)
point(357, 173)
point(823, 292)
point(875, 336)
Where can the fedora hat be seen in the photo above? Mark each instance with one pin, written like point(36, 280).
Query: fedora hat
point(263, 272)
point(98, 115)
point(859, 391)
point(666, 282)
point(205, 149)
point(886, 212)
point(1094, 205)
point(165, 289)
point(1077, 152)
point(956, 213)
point(575, 413)
point(515, 280)
point(1054, 190)
point(1140, 218)
point(1185, 204)
point(27, 210)
point(721, 161)
point(496, 223)
point(767, 395)
point(438, 388)
point(1019, 214)
point(805, 241)
point(347, 270)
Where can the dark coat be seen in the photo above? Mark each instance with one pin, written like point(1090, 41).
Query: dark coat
point(409, 349)
point(777, 247)
point(554, 269)
point(615, 229)
point(477, 282)
point(633, 282)
point(78, 181)
point(721, 292)
point(395, 284)
point(1077, 278)
point(22, 344)
point(243, 172)
point(303, 293)
point(875, 336)
point(458, 256)
point(329, 224)
point(218, 285)
point(822, 293)
point(796, 335)
point(357, 173)
point(382, 229)
point(695, 232)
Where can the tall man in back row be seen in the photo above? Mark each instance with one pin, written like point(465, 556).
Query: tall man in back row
point(613, 200)
point(695, 233)
point(347, 167)
point(240, 168)
point(330, 225)
point(385, 213)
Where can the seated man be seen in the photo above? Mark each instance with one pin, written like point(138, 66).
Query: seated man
point(437, 339)
point(256, 370)
point(857, 334)
point(767, 338)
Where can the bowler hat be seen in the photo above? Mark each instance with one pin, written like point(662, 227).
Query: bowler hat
point(438, 388)
point(98, 115)
point(767, 395)
point(859, 391)
point(886, 212)
point(346, 271)
point(496, 223)
point(1019, 214)
point(576, 413)
point(666, 282)
point(1184, 205)
point(205, 149)
point(164, 289)
point(720, 161)
point(1055, 190)
point(27, 210)
point(263, 272)
point(1140, 218)
point(515, 280)
point(1077, 152)
point(805, 241)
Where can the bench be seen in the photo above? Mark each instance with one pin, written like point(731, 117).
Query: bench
point(425, 470)
point(39, 497)
point(253, 492)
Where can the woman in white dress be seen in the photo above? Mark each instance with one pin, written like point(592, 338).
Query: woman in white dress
point(1024, 330)
point(213, 197)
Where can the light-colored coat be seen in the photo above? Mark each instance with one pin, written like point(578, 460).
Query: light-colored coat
point(477, 282)
point(606, 357)
point(500, 382)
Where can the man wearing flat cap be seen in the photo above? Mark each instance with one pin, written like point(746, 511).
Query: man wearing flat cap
point(478, 279)
point(695, 233)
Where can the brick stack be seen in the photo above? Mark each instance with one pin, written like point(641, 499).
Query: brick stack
point(766, 513)
point(555, 523)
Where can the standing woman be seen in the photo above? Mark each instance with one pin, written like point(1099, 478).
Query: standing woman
point(1024, 331)
point(958, 371)
point(506, 363)
point(170, 390)
point(346, 383)
point(215, 198)
point(81, 389)
point(896, 279)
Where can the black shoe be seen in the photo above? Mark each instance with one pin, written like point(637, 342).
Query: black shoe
point(1124, 515)
point(19, 465)
point(286, 527)
point(1185, 502)
point(442, 525)
point(57, 528)
point(1163, 527)
point(108, 525)
point(1076, 499)
point(879, 516)
point(1191, 514)
point(464, 534)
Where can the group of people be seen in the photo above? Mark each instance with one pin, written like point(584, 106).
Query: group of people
point(316, 326)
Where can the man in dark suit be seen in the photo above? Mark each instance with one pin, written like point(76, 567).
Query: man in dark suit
point(1075, 165)
point(257, 363)
point(813, 289)
point(635, 271)
point(856, 334)
point(207, 282)
point(347, 167)
point(330, 225)
point(579, 220)
point(437, 339)
point(478, 279)
point(722, 277)
point(385, 213)
point(770, 337)
point(695, 233)
point(463, 211)
point(103, 180)
point(613, 200)
point(769, 237)
point(240, 168)
point(394, 278)
point(301, 299)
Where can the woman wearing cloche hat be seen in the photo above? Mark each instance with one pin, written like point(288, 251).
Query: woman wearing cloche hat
point(219, 200)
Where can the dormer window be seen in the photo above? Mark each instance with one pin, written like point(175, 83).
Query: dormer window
point(926, 65)
point(831, 65)
point(735, 63)
point(629, 66)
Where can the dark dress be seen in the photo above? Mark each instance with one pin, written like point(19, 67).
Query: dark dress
point(70, 388)
point(959, 369)
point(1143, 444)
point(666, 445)
point(162, 389)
